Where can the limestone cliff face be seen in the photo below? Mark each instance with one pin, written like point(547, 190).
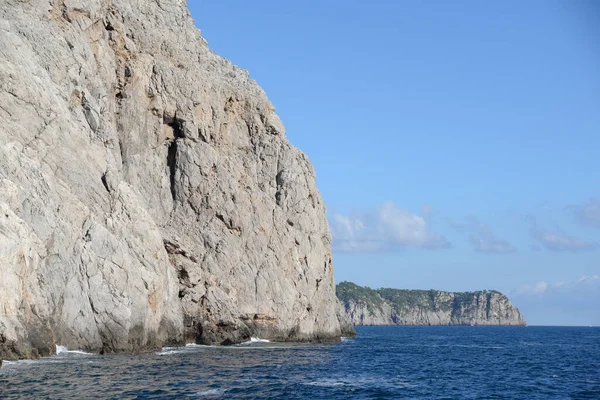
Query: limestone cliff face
point(148, 194)
point(366, 306)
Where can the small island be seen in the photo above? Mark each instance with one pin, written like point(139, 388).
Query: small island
point(366, 306)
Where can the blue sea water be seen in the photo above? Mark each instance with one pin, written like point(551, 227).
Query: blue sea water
point(380, 363)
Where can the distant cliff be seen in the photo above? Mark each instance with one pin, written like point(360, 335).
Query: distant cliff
point(366, 306)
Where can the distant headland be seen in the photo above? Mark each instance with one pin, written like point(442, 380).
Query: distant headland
point(366, 306)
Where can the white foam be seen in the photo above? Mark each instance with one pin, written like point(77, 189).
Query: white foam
point(326, 383)
point(203, 346)
point(64, 350)
point(241, 346)
point(169, 352)
point(256, 340)
point(79, 352)
point(259, 340)
point(209, 393)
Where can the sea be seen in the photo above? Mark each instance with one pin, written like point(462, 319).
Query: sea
point(379, 363)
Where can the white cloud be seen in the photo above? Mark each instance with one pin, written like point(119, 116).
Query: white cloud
point(558, 241)
point(481, 237)
point(570, 302)
point(561, 242)
point(588, 279)
point(575, 285)
point(588, 213)
point(387, 227)
point(536, 289)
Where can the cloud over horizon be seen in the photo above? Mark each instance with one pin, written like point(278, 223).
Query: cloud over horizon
point(387, 227)
point(573, 301)
point(481, 236)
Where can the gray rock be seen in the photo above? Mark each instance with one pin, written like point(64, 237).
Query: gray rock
point(148, 194)
point(366, 306)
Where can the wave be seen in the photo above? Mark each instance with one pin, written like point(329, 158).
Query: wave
point(64, 350)
point(13, 367)
point(243, 346)
point(256, 340)
point(168, 351)
point(205, 346)
point(365, 382)
point(251, 341)
point(209, 393)
point(469, 346)
point(259, 340)
point(187, 348)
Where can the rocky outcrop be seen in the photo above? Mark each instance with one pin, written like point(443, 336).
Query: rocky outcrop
point(367, 306)
point(148, 194)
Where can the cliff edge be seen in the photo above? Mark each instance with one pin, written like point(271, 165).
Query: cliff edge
point(367, 306)
point(148, 194)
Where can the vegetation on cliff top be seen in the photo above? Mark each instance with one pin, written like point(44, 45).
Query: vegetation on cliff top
point(348, 291)
point(406, 299)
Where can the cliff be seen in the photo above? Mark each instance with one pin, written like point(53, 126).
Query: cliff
point(148, 194)
point(367, 306)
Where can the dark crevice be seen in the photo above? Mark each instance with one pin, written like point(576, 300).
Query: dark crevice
point(105, 183)
point(184, 278)
point(172, 163)
point(178, 133)
point(176, 124)
point(229, 224)
point(221, 218)
point(488, 306)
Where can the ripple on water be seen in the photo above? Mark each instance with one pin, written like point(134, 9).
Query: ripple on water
point(210, 393)
point(395, 362)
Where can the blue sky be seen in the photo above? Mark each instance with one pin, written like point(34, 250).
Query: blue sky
point(456, 144)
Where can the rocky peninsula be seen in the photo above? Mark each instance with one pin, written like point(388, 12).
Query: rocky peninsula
point(148, 193)
point(366, 306)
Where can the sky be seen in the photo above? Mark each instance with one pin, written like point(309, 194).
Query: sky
point(456, 144)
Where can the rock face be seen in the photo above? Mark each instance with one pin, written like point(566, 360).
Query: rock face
point(367, 306)
point(148, 194)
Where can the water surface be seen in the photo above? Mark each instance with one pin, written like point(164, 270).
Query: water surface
point(381, 362)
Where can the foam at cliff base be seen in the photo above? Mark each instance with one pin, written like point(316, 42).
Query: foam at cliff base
point(251, 341)
point(171, 350)
point(257, 340)
point(60, 350)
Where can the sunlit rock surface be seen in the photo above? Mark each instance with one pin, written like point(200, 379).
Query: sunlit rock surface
point(148, 194)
